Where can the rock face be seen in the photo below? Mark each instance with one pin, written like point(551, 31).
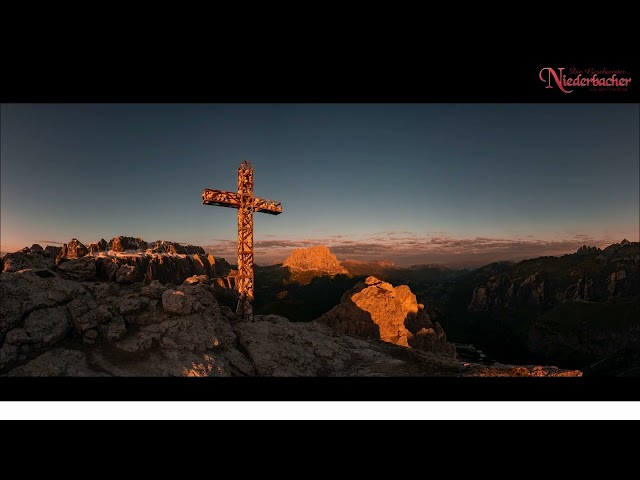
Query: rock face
point(318, 259)
point(121, 244)
point(376, 309)
point(74, 249)
point(54, 326)
point(209, 265)
point(41, 312)
point(162, 246)
point(100, 246)
point(81, 269)
point(573, 310)
point(590, 274)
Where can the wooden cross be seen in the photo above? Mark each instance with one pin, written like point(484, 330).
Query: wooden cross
point(246, 204)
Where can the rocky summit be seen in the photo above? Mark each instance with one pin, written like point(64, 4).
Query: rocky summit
point(73, 320)
point(377, 309)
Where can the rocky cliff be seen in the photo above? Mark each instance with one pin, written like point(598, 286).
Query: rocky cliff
point(376, 309)
point(52, 325)
point(571, 310)
point(590, 274)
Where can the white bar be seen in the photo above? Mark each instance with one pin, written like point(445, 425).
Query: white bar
point(321, 410)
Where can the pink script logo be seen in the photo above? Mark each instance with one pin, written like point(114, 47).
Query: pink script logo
point(587, 77)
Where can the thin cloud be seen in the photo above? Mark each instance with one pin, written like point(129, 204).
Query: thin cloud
point(406, 248)
point(50, 242)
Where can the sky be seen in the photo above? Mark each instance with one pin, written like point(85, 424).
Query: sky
point(454, 184)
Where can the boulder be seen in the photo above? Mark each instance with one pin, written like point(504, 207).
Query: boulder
point(87, 315)
point(127, 274)
point(130, 306)
point(41, 329)
point(114, 330)
point(81, 305)
point(24, 292)
point(175, 301)
point(154, 290)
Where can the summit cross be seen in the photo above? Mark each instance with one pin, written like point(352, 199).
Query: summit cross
point(246, 204)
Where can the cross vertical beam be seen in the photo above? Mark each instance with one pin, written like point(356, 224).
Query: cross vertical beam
point(244, 279)
point(246, 204)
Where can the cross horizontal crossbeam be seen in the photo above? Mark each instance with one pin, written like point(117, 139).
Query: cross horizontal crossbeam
point(222, 198)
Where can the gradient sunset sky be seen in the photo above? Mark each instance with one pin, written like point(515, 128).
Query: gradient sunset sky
point(456, 184)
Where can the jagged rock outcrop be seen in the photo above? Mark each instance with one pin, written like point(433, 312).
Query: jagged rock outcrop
point(166, 268)
point(122, 260)
point(317, 259)
point(584, 250)
point(95, 247)
point(72, 250)
point(40, 312)
point(29, 257)
point(376, 309)
point(210, 265)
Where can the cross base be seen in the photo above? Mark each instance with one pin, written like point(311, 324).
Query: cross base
point(244, 310)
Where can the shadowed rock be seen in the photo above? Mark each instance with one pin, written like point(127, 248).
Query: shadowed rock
point(82, 269)
point(56, 326)
point(34, 257)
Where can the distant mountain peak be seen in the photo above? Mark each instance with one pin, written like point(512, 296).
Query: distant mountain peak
point(379, 263)
point(584, 250)
point(318, 258)
point(625, 242)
